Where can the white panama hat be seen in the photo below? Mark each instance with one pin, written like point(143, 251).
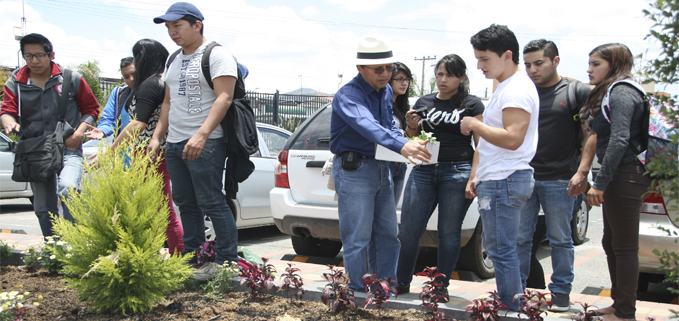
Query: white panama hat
point(373, 51)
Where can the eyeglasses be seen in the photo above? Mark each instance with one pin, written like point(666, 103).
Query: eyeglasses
point(29, 57)
point(401, 80)
point(381, 69)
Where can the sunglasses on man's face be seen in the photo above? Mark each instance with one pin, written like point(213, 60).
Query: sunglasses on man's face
point(381, 69)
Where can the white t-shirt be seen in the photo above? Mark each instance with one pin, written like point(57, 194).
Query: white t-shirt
point(191, 97)
point(497, 163)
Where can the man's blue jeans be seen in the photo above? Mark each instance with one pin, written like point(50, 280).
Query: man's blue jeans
point(45, 195)
point(500, 204)
point(428, 185)
point(197, 190)
point(558, 208)
point(367, 213)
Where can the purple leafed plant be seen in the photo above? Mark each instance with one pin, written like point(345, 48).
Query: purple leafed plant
point(430, 294)
point(337, 293)
point(259, 278)
point(586, 314)
point(532, 304)
point(380, 291)
point(486, 309)
point(292, 282)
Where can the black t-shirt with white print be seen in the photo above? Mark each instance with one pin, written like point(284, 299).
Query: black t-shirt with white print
point(145, 107)
point(441, 119)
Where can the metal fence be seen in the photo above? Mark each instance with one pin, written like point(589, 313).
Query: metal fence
point(277, 108)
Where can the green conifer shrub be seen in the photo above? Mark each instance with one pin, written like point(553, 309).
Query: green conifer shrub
point(120, 221)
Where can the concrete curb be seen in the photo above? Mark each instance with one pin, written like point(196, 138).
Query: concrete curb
point(314, 290)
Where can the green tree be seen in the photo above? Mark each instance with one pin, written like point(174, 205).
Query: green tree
point(663, 69)
point(120, 222)
point(92, 74)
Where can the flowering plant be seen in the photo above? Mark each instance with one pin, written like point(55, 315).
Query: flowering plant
point(12, 305)
point(424, 136)
point(222, 282)
point(51, 251)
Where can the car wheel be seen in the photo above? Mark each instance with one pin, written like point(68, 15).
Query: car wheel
point(474, 257)
point(209, 230)
point(311, 246)
point(580, 221)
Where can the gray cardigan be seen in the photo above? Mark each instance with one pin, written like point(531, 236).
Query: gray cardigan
point(617, 140)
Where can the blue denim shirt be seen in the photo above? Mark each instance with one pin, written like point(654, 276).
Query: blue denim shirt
point(363, 117)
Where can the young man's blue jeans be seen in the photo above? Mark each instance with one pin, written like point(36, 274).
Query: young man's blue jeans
point(197, 190)
point(558, 208)
point(367, 213)
point(500, 204)
point(428, 185)
point(45, 195)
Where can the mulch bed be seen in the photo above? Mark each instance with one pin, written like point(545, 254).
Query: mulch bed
point(60, 303)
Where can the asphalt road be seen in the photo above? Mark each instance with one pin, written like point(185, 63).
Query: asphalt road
point(590, 261)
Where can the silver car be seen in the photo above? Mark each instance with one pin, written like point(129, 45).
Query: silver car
point(658, 229)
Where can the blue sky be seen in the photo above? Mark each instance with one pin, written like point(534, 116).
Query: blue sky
point(281, 40)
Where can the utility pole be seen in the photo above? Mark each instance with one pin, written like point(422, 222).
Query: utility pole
point(424, 60)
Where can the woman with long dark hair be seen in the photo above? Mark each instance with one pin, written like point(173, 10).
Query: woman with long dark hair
point(443, 183)
point(400, 84)
point(614, 112)
point(144, 109)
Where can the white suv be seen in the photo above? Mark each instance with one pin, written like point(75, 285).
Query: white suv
point(303, 206)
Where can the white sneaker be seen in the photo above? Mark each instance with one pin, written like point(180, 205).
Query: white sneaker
point(207, 272)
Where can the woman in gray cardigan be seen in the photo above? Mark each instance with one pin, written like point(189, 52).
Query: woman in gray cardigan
point(614, 113)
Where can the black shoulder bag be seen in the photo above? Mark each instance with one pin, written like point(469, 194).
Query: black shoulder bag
point(40, 158)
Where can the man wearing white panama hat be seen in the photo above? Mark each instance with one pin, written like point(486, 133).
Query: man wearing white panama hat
point(362, 117)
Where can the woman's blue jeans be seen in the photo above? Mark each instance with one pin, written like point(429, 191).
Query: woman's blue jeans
point(429, 185)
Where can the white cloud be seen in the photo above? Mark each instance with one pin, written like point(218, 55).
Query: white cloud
point(278, 44)
point(359, 5)
point(309, 11)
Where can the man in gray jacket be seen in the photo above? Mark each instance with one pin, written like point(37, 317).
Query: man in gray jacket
point(30, 106)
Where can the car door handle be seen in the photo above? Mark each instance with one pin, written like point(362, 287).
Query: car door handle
point(315, 164)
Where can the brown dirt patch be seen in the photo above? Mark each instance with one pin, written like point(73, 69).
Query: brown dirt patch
point(62, 304)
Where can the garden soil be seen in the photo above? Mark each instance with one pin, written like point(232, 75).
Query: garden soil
point(61, 303)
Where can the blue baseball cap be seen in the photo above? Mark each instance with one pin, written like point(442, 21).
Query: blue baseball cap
point(178, 10)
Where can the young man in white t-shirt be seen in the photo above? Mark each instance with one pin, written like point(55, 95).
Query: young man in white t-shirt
point(501, 172)
point(195, 152)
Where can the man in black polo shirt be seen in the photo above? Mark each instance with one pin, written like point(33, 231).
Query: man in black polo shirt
point(558, 178)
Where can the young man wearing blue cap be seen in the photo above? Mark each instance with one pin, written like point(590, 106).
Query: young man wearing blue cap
point(195, 152)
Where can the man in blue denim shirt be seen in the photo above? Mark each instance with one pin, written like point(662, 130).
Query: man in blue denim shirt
point(362, 117)
point(501, 173)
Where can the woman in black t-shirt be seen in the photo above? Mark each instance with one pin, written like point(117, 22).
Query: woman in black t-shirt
point(144, 109)
point(443, 183)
